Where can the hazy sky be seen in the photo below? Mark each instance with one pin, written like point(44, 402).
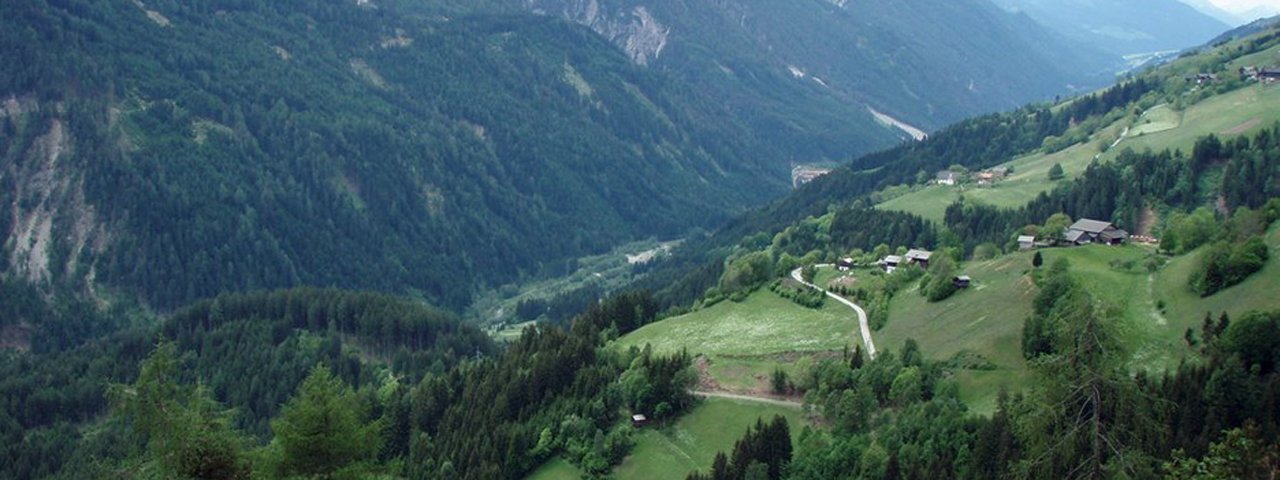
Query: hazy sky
point(1241, 6)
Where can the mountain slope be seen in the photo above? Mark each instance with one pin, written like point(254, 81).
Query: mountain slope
point(928, 65)
point(174, 150)
point(1123, 28)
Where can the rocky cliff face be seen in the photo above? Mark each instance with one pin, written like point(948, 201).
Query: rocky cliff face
point(53, 231)
point(634, 29)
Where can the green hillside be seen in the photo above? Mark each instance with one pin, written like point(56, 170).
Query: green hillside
point(744, 342)
point(1229, 115)
point(987, 319)
point(688, 444)
point(1174, 119)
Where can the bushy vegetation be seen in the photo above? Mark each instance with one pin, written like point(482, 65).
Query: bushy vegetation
point(800, 294)
point(1225, 264)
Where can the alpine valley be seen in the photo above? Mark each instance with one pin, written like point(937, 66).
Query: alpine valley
point(725, 239)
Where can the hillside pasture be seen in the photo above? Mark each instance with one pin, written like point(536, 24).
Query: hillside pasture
point(1030, 177)
point(744, 342)
point(691, 443)
point(983, 320)
point(1185, 309)
point(1240, 112)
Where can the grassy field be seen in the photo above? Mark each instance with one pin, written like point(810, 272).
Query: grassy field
point(744, 342)
point(1030, 177)
point(556, 469)
point(1241, 112)
point(987, 318)
point(1186, 309)
point(1155, 120)
point(762, 324)
point(691, 443)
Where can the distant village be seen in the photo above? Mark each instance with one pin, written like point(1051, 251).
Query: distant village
point(1085, 231)
point(985, 177)
point(1264, 75)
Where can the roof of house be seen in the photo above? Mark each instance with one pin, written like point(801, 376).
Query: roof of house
point(915, 254)
point(892, 259)
point(1092, 226)
point(1114, 234)
point(947, 175)
point(1026, 239)
point(638, 418)
point(1076, 236)
point(964, 278)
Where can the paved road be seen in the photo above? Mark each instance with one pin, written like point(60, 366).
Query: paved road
point(748, 398)
point(862, 314)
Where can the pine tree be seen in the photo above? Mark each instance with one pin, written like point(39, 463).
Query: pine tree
point(322, 429)
point(188, 433)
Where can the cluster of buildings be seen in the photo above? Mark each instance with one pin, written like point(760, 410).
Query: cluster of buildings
point(1261, 74)
point(1084, 232)
point(985, 177)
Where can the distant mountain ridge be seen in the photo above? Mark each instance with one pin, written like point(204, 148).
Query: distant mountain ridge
point(925, 64)
point(1127, 27)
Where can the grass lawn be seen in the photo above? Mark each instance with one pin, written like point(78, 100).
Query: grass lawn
point(692, 441)
point(1241, 112)
point(745, 342)
point(556, 469)
point(1186, 309)
point(1155, 120)
point(985, 319)
point(762, 324)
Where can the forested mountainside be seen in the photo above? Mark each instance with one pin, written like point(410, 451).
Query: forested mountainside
point(174, 150)
point(1123, 28)
point(1251, 28)
point(926, 63)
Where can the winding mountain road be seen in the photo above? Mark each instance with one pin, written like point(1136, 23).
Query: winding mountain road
point(862, 314)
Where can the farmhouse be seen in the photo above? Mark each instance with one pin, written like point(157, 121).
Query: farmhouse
point(948, 177)
point(1202, 78)
point(1086, 231)
point(918, 257)
point(890, 262)
point(1264, 75)
point(1268, 75)
point(844, 264)
point(639, 420)
point(962, 281)
point(1026, 242)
